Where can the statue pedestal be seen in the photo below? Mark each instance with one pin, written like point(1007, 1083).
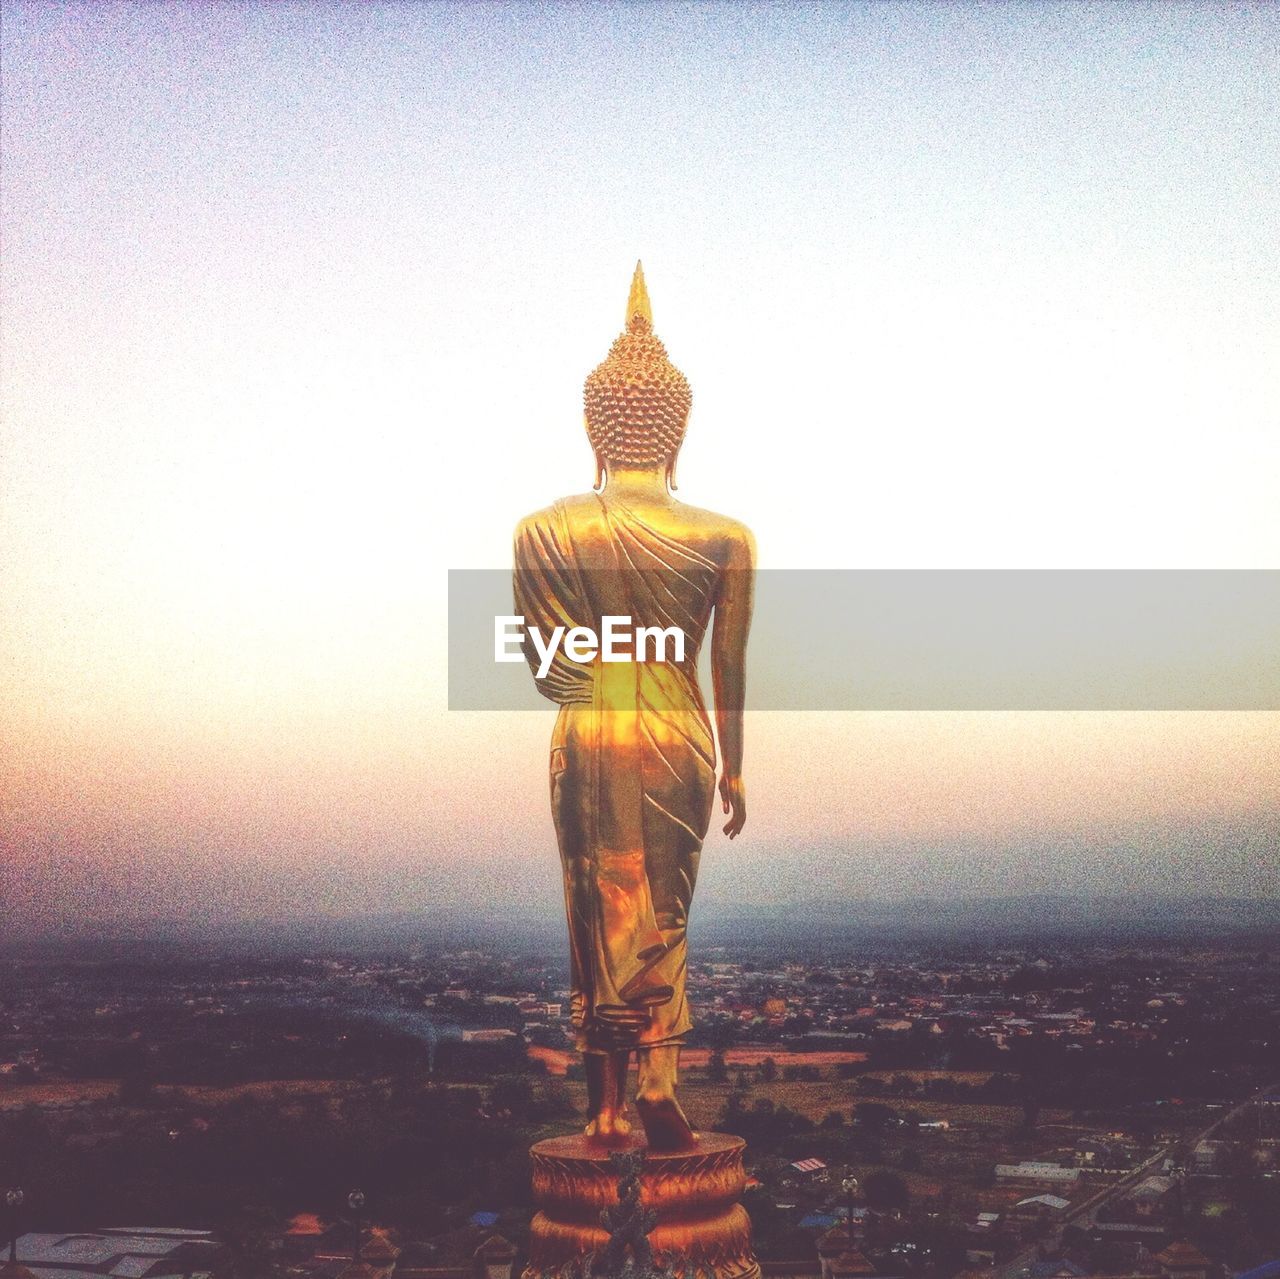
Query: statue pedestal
point(700, 1225)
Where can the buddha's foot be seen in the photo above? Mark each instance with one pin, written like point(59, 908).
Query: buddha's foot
point(665, 1125)
point(609, 1127)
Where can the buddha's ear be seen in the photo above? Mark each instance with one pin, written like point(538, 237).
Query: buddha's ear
point(671, 472)
point(601, 469)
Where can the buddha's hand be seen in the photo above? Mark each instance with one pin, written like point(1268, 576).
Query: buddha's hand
point(733, 798)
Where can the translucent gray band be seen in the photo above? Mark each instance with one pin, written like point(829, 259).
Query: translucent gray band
point(956, 640)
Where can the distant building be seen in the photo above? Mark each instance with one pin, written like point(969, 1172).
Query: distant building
point(818, 1221)
point(1268, 1269)
point(303, 1234)
point(493, 1258)
point(1095, 1152)
point(1152, 1234)
point(1038, 1208)
point(840, 1258)
point(1183, 1260)
point(1034, 1171)
point(1054, 1270)
point(1151, 1195)
point(981, 1241)
point(140, 1252)
point(893, 1026)
point(378, 1250)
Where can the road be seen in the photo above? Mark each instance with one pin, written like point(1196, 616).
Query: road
point(1085, 1213)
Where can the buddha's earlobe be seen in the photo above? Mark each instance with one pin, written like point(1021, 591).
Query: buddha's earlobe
point(671, 473)
point(601, 472)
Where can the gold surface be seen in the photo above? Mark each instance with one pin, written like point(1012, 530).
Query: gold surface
point(638, 300)
point(636, 402)
point(700, 1225)
point(633, 755)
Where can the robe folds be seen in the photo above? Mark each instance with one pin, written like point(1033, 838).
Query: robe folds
point(632, 761)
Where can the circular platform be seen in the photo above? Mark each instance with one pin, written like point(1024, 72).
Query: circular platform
point(700, 1224)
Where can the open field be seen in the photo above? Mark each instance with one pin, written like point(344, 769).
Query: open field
point(558, 1060)
point(75, 1092)
point(270, 1089)
point(970, 1078)
point(57, 1093)
point(703, 1102)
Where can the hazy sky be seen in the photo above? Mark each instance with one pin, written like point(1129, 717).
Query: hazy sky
point(297, 304)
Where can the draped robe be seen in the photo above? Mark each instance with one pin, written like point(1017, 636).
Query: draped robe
point(632, 761)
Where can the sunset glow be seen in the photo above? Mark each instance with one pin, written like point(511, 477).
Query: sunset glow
point(297, 303)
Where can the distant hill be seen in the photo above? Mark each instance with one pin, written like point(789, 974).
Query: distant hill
point(1024, 919)
point(831, 926)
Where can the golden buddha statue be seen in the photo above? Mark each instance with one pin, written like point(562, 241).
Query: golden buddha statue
point(633, 758)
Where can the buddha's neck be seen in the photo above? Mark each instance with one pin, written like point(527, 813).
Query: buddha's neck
point(640, 481)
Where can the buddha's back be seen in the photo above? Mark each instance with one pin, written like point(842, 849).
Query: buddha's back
point(658, 562)
point(633, 753)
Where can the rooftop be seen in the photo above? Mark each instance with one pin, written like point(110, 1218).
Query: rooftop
point(124, 1252)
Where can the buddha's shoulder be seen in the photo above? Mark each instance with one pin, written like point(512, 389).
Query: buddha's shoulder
point(719, 536)
point(720, 531)
point(560, 521)
point(578, 504)
point(550, 515)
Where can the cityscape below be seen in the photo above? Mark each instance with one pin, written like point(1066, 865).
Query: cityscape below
point(971, 1101)
point(940, 424)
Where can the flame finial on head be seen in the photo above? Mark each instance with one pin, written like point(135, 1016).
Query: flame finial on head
point(637, 402)
point(638, 307)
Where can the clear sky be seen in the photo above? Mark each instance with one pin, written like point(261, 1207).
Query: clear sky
point(297, 301)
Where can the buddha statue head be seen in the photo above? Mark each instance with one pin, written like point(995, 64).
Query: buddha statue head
point(636, 402)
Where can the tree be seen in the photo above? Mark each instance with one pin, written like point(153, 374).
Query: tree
point(734, 1109)
point(557, 1098)
point(514, 1095)
point(874, 1116)
point(886, 1191)
point(768, 1070)
point(809, 1074)
point(717, 1070)
point(249, 1234)
point(137, 1088)
point(1030, 1112)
